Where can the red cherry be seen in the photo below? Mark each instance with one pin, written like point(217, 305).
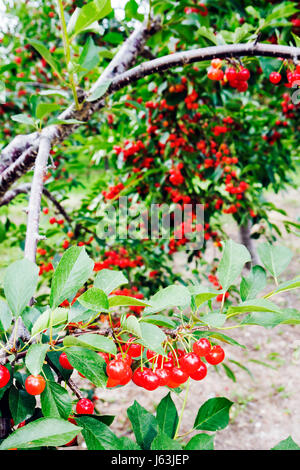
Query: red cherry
point(189, 363)
point(200, 373)
point(127, 377)
point(202, 347)
point(155, 358)
point(4, 376)
point(243, 75)
point(231, 74)
point(133, 349)
point(150, 381)
point(84, 407)
point(137, 377)
point(163, 375)
point(112, 383)
point(216, 355)
point(275, 77)
point(64, 361)
point(124, 357)
point(117, 369)
point(242, 86)
point(178, 376)
point(35, 384)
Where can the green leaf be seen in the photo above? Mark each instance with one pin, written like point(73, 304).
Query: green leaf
point(159, 320)
point(97, 435)
point(55, 401)
point(5, 316)
point(41, 432)
point(131, 11)
point(279, 12)
point(163, 442)
point(286, 444)
point(46, 54)
point(89, 364)
point(99, 90)
point(233, 260)
point(144, 425)
point(201, 442)
point(219, 336)
point(254, 305)
point(202, 294)
point(213, 320)
point(126, 301)
point(94, 299)
point(73, 270)
point(229, 372)
point(109, 280)
point(171, 296)
point(254, 283)
point(21, 405)
point(46, 108)
point(20, 282)
point(57, 317)
point(270, 319)
point(167, 416)
point(84, 17)
point(23, 119)
point(131, 324)
point(213, 414)
point(275, 258)
point(89, 57)
point(35, 358)
point(284, 287)
point(30, 316)
point(92, 341)
point(152, 337)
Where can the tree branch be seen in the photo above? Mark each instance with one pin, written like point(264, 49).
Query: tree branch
point(34, 208)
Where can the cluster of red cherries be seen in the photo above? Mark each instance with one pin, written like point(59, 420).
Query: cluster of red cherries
point(172, 371)
point(236, 78)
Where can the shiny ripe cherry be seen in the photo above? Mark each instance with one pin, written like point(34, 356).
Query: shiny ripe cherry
point(275, 77)
point(200, 372)
point(117, 369)
point(111, 383)
point(137, 377)
point(163, 375)
point(243, 75)
point(133, 349)
point(64, 361)
point(84, 407)
point(124, 357)
point(35, 384)
point(4, 376)
point(216, 355)
point(178, 376)
point(150, 381)
point(127, 377)
point(202, 347)
point(231, 74)
point(189, 363)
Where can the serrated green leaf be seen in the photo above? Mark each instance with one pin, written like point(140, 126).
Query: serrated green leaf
point(41, 432)
point(20, 282)
point(35, 357)
point(73, 270)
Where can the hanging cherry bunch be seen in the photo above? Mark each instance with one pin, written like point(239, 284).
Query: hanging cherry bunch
point(155, 370)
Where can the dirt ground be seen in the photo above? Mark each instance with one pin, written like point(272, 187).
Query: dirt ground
point(266, 407)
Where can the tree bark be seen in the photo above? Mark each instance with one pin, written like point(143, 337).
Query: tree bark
point(245, 238)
